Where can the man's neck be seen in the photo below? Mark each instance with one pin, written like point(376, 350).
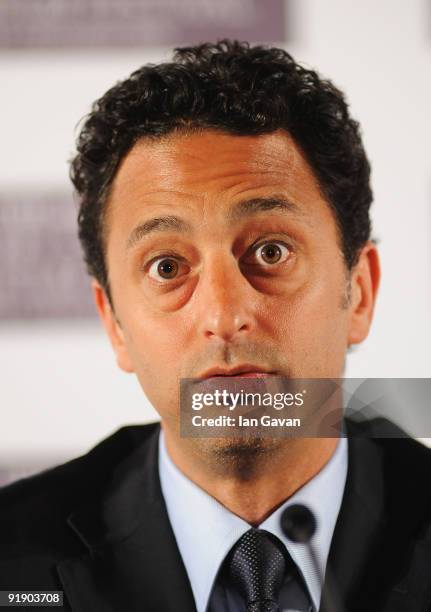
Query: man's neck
point(251, 484)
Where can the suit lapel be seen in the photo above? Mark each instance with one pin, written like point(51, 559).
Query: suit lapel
point(360, 521)
point(132, 560)
point(380, 553)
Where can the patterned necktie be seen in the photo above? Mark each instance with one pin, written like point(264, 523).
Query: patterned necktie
point(257, 566)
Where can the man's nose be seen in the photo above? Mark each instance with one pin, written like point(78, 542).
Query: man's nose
point(226, 300)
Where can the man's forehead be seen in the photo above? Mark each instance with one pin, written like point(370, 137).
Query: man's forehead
point(183, 163)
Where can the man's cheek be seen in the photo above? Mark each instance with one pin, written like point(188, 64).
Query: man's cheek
point(157, 354)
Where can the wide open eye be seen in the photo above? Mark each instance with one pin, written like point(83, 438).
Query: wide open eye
point(270, 253)
point(166, 268)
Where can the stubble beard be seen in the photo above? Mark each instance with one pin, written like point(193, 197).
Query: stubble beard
point(242, 458)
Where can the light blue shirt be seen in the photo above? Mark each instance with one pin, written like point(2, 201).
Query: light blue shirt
point(205, 530)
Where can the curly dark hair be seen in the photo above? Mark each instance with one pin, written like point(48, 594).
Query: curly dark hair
point(239, 89)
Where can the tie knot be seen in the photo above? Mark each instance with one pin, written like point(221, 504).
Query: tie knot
point(257, 567)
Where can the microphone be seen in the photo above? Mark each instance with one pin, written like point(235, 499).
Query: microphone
point(299, 524)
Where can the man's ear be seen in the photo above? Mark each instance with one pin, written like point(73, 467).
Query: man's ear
point(364, 284)
point(112, 327)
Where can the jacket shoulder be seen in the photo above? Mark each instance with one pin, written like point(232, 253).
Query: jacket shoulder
point(407, 473)
point(406, 461)
point(33, 510)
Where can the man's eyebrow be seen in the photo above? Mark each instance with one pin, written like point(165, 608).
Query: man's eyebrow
point(240, 210)
point(253, 206)
point(157, 224)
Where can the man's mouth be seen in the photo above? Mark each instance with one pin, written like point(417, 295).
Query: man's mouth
point(240, 371)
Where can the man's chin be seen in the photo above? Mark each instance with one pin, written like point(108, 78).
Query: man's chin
point(244, 454)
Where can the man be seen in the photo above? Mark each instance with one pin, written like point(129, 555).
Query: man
point(224, 217)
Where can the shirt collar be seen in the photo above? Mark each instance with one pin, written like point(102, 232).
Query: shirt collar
point(205, 530)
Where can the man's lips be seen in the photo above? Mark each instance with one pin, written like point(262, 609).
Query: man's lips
point(249, 375)
point(243, 371)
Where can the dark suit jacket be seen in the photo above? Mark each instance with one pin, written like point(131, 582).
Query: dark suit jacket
point(97, 529)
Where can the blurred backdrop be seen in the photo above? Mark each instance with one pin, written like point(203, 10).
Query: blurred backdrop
point(60, 389)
